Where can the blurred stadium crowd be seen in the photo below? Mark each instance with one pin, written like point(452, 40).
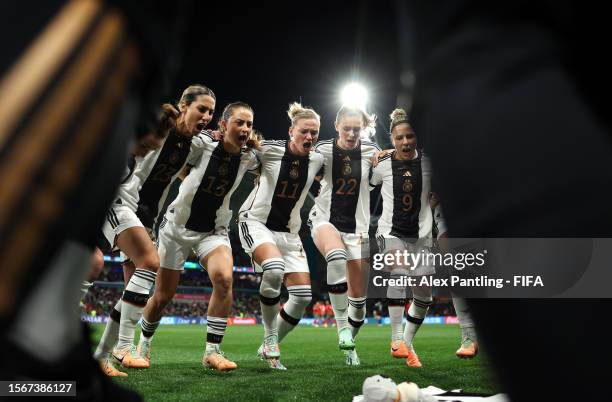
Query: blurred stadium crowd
point(194, 291)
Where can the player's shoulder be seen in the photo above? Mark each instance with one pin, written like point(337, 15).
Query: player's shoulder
point(384, 163)
point(316, 155)
point(207, 135)
point(247, 153)
point(324, 146)
point(274, 143)
point(272, 148)
point(369, 146)
point(203, 139)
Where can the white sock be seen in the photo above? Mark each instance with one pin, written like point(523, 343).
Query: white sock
point(416, 315)
point(396, 315)
point(336, 282)
point(356, 313)
point(466, 322)
point(215, 329)
point(134, 298)
point(148, 329)
point(269, 293)
point(111, 332)
point(292, 311)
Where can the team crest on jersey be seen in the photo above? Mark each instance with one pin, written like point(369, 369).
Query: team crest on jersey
point(173, 158)
point(346, 169)
point(223, 169)
point(407, 186)
point(294, 172)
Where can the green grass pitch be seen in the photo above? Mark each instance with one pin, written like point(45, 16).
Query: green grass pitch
point(316, 369)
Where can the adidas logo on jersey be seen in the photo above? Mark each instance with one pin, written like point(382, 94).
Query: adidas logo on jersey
point(346, 159)
point(407, 173)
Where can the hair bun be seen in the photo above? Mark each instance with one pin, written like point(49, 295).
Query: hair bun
point(297, 111)
point(398, 114)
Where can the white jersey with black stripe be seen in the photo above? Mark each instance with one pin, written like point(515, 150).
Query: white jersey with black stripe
point(282, 187)
point(406, 185)
point(202, 204)
point(151, 177)
point(344, 199)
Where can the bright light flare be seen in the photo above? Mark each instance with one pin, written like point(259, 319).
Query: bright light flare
point(354, 95)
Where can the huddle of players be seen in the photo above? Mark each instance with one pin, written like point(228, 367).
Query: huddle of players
point(269, 221)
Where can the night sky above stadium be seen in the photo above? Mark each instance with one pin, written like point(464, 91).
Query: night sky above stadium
point(269, 54)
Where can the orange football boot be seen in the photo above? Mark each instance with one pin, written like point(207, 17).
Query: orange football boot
point(217, 361)
point(129, 358)
point(412, 359)
point(110, 370)
point(468, 349)
point(399, 350)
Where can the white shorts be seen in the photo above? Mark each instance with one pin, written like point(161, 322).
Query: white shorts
point(389, 244)
point(357, 245)
point(254, 233)
point(175, 243)
point(118, 219)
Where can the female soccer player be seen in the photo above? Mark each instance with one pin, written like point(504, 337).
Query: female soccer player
point(144, 189)
point(340, 219)
point(269, 225)
point(198, 220)
point(406, 223)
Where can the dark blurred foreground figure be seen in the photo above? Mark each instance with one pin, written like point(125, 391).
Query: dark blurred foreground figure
point(510, 100)
point(79, 79)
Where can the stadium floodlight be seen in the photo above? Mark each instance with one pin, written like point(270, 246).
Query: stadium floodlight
point(354, 95)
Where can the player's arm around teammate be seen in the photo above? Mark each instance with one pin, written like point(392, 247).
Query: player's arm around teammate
point(270, 222)
point(340, 221)
point(197, 221)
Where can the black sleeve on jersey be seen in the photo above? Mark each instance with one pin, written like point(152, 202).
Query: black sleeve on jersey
point(370, 179)
point(315, 188)
point(376, 201)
